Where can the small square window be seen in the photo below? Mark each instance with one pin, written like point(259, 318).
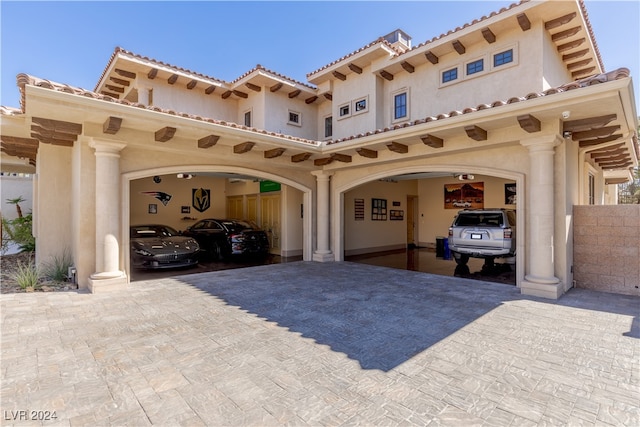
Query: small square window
point(361, 105)
point(344, 110)
point(328, 127)
point(503, 58)
point(475, 67)
point(449, 75)
point(294, 118)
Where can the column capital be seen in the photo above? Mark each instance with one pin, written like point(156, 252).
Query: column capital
point(322, 174)
point(102, 146)
point(541, 143)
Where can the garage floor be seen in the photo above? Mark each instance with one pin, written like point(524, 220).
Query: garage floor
point(418, 259)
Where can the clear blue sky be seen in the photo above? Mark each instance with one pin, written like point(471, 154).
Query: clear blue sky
point(71, 42)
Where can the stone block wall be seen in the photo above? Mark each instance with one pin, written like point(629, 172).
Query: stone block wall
point(606, 248)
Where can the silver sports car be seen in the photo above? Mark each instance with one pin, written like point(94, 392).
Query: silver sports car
point(159, 246)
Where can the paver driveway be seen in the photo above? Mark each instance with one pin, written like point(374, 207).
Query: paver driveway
point(320, 344)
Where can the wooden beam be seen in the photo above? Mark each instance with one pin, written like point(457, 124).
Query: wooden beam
point(365, 152)
point(598, 141)
point(524, 22)
point(19, 141)
point(227, 94)
point(119, 81)
point(210, 90)
point(570, 45)
point(601, 159)
point(116, 89)
point(208, 141)
point(53, 141)
point(165, 134)
point(245, 147)
point(407, 67)
point(328, 96)
point(529, 123)
point(459, 47)
point(396, 147)
point(39, 133)
point(387, 75)
point(595, 133)
point(476, 132)
point(171, 80)
point(125, 74)
point(152, 73)
point(588, 123)
point(192, 84)
point(558, 22)
point(488, 35)
point(111, 94)
point(112, 125)
point(338, 75)
point(253, 87)
point(611, 149)
point(583, 72)
point(579, 64)
point(295, 93)
point(353, 67)
point(276, 87)
point(432, 141)
point(575, 55)
point(310, 100)
point(301, 157)
point(276, 152)
point(344, 158)
point(240, 94)
point(565, 34)
point(431, 57)
point(58, 126)
point(323, 161)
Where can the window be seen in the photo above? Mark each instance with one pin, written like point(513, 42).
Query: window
point(150, 97)
point(328, 127)
point(361, 105)
point(475, 67)
point(503, 58)
point(449, 75)
point(592, 189)
point(294, 118)
point(344, 110)
point(400, 106)
point(247, 118)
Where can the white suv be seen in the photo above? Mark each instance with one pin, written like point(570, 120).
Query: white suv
point(483, 233)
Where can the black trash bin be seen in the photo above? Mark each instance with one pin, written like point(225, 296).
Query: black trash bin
point(440, 247)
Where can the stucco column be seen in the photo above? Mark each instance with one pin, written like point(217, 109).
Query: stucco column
point(323, 252)
point(108, 275)
point(540, 269)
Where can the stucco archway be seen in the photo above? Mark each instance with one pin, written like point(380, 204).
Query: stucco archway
point(128, 177)
point(340, 187)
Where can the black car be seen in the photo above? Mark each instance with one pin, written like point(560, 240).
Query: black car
point(220, 238)
point(159, 246)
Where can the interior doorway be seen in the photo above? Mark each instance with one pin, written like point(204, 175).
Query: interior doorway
point(412, 227)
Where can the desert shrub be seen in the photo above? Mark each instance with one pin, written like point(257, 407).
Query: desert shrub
point(26, 275)
point(19, 230)
point(58, 268)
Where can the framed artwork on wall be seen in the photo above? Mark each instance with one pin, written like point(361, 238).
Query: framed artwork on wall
point(510, 193)
point(153, 208)
point(378, 209)
point(358, 209)
point(469, 195)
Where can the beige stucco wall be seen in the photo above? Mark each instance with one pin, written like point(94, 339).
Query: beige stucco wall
point(607, 249)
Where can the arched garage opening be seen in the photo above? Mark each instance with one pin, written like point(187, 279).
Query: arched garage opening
point(180, 196)
point(397, 217)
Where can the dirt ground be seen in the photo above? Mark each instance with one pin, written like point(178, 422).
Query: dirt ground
point(9, 265)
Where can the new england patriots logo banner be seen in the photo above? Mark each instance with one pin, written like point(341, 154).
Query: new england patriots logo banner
point(163, 197)
point(201, 199)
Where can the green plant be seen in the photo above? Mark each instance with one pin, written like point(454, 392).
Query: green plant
point(18, 230)
point(26, 275)
point(58, 268)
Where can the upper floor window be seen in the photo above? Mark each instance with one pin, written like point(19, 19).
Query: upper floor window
point(344, 110)
point(475, 66)
point(294, 118)
point(449, 75)
point(592, 189)
point(247, 118)
point(328, 127)
point(400, 106)
point(503, 57)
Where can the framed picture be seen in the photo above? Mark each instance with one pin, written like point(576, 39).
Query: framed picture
point(185, 209)
point(358, 209)
point(378, 209)
point(510, 194)
point(153, 208)
point(396, 215)
point(469, 195)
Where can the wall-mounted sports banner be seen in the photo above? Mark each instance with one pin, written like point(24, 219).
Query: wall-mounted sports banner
point(267, 186)
point(201, 199)
point(163, 197)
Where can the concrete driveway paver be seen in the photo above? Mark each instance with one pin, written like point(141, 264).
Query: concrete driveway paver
point(320, 344)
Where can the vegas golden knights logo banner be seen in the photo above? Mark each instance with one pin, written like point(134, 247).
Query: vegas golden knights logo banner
point(201, 199)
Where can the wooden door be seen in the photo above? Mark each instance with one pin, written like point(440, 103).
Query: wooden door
point(270, 219)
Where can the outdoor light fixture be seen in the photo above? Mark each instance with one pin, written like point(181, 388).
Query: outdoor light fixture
point(184, 176)
point(465, 177)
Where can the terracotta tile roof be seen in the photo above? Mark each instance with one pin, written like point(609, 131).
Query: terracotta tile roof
point(281, 76)
point(24, 79)
point(589, 81)
point(379, 40)
point(146, 58)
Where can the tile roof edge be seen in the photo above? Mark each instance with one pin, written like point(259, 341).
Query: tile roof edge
point(259, 67)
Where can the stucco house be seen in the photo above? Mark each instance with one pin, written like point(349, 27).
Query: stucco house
point(517, 104)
